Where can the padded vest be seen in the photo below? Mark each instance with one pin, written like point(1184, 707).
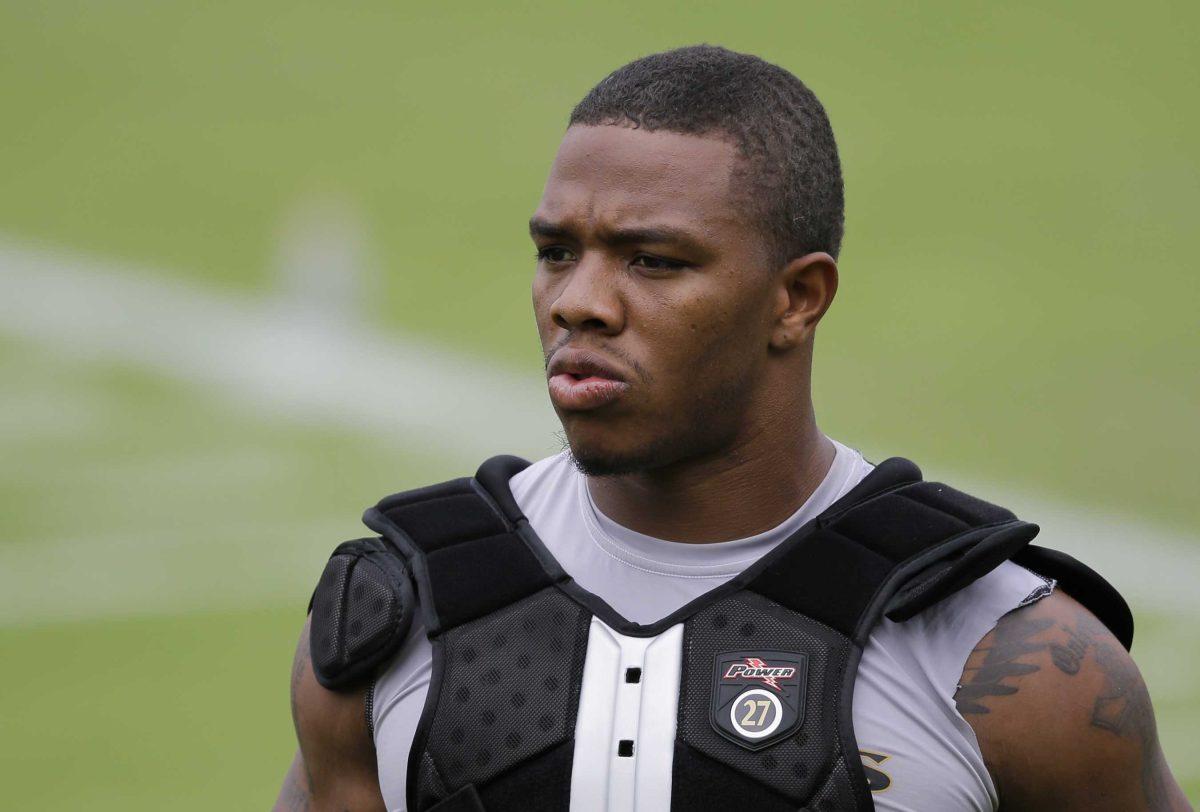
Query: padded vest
point(766, 667)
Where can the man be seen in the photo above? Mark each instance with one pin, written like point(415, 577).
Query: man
point(706, 603)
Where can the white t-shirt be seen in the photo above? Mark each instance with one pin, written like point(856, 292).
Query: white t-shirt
point(921, 753)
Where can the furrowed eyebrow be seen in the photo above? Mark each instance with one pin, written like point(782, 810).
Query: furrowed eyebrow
point(619, 236)
point(546, 228)
point(649, 234)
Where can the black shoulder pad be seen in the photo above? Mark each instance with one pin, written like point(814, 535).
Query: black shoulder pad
point(1085, 585)
point(971, 556)
point(361, 609)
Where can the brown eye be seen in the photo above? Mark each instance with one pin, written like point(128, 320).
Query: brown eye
point(554, 254)
point(653, 263)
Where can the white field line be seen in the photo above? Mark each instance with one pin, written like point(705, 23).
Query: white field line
point(295, 361)
point(283, 356)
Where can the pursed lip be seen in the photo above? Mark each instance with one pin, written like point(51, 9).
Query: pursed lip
point(580, 380)
point(581, 364)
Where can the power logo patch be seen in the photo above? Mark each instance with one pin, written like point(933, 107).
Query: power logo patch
point(758, 696)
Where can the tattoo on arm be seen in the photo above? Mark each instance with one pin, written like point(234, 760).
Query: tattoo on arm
point(299, 664)
point(1011, 640)
point(1122, 704)
point(296, 794)
point(294, 797)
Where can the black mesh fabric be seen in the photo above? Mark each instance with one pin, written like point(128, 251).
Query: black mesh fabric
point(361, 610)
point(370, 609)
point(465, 800)
point(837, 793)
point(509, 646)
point(796, 767)
point(509, 691)
point(325, 632)
point(430, 785)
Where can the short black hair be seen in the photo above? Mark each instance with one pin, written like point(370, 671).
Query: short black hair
point(792, 174)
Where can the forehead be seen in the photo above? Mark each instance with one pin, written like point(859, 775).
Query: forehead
point(607, 176)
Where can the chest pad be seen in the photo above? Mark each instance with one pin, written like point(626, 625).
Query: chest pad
point(510, 633)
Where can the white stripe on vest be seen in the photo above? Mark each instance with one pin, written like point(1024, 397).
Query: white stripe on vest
point(625, 730)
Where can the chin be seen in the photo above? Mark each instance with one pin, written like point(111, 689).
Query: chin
point(596, 458)
point(598, 465)
point(611, 444)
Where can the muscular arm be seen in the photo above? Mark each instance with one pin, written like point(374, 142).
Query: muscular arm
point(1062, 715)
point(334, 769)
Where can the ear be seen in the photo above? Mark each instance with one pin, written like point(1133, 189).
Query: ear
point(805, 289)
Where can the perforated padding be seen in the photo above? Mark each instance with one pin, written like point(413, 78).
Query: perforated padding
point(798, 766)
point(361, 610)
point(836, 794)
point(509, 690)
point(428, 779)
point(465, 800)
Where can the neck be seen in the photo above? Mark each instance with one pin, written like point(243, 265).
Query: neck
point(745, 489)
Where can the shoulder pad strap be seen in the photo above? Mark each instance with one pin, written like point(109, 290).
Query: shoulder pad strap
point(463, 540)
point(1085, 585)
point(361, 609)
point(894, 545)
point(954, 569)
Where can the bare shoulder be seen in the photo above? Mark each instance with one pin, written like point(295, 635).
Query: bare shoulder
point(334, 768)
point(1062, 714)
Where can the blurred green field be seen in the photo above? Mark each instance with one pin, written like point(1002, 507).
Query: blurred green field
point(1018, 303)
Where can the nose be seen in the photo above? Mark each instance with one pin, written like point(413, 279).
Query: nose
point(589, 299)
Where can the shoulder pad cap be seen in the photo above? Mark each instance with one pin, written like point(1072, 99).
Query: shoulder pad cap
point(361, 610)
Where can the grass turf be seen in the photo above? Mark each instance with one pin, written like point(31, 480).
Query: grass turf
point(180, 712)
point(1017, 301)
point(1017, 297)
point(159, 550)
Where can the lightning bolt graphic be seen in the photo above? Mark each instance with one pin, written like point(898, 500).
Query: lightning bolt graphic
point(754, 662)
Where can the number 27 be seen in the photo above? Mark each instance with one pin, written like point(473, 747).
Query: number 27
point(753, 705)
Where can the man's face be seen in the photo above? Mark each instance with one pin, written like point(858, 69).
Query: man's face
point(653, 297)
